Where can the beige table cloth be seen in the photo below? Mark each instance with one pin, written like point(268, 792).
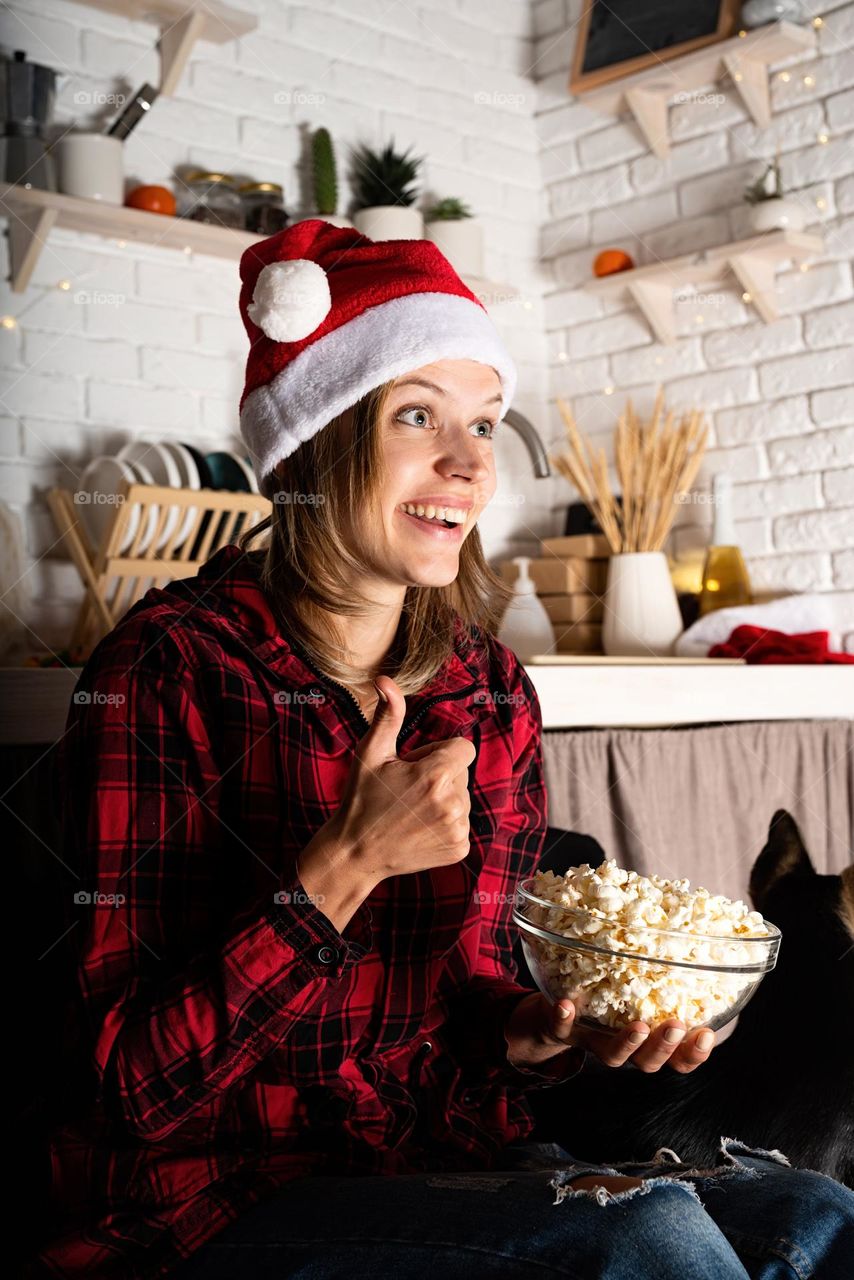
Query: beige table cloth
point(696, 801)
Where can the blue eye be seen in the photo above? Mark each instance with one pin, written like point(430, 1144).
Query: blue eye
point(415, 409)
point(424, 415)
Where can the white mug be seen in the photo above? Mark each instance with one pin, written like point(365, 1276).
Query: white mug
point(91, 165)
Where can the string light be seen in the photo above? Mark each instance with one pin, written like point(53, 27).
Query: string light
point(698, 319)
point(561, 355)
point(608, 391)
point(747, 297)
point(742, 34)
point(818, 22)
point(737, 75)
point(809, 80)
point(65, 285)
point(527, 304)
point(823, 139)
point(821, 203)
point(805, 266)
point(659, 359)
point(785, 77)
point(8, 322)
point(11, 322)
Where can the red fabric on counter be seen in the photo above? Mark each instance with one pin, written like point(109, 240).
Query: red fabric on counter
point(760, 644)
point(234, 1039)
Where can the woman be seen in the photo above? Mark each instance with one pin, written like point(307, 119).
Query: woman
point(299, 789)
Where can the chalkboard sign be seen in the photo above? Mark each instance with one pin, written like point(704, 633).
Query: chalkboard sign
point(618, 37)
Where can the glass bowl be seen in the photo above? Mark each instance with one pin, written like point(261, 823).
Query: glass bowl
point(616, 974)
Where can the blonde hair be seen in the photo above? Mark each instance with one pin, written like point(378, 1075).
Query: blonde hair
point(308, 566)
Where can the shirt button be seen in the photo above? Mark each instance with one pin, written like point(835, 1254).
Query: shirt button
point(326, 955)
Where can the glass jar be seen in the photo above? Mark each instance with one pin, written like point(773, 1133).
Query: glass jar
point(211, 197)
point(263, 209)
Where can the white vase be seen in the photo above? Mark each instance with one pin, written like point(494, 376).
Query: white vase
point(390, 222)
point(642, 617)
point(778, 214)
point(461, 241)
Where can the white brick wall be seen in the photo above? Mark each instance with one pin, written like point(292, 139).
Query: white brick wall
point(779, 397)
point(148, 342)
point(164, 355)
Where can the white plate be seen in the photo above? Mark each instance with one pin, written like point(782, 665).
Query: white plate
point(163, 469)
point(189, 479)
point(144, 476)
point(103, 477)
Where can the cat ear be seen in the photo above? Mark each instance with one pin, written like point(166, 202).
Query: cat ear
point(784, 854)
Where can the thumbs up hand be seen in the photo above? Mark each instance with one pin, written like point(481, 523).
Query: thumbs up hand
point(396, 816)
point(405, 815)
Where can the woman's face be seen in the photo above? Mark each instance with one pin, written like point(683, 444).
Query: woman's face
point(436, 435)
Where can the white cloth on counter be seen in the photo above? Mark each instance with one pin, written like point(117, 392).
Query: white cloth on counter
point(792, 615)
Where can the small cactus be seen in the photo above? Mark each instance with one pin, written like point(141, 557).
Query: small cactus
point(325, 182)
point(448, 210)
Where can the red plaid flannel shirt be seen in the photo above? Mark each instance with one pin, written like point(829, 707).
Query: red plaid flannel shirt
point(235, 1038)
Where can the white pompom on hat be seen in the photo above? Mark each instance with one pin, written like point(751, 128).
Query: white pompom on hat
point(331, 315)
point(290, 299)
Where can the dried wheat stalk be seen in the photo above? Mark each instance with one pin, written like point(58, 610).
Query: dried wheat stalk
point(655, 463)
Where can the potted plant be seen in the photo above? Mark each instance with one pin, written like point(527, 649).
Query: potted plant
point(384, 185)
point(771, 211)
point(452, 227)
point(325, 179)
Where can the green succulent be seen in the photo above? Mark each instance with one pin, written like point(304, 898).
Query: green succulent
point(769, 186)
point(448, 210)
point(323, 164)
point(384, 177)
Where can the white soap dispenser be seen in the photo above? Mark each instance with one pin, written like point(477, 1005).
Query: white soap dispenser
point(526, 627)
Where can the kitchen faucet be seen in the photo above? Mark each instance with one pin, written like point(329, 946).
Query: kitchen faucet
point(526, 429)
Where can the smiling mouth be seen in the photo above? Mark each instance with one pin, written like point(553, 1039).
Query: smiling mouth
point(441, 530)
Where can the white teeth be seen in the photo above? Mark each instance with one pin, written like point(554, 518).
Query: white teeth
point(456, 514)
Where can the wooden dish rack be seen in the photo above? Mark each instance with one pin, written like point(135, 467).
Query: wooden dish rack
point(115, 576)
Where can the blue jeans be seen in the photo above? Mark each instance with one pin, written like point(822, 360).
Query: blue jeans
point(751, 1215)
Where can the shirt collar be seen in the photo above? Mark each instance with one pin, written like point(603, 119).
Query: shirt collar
point(230, 584)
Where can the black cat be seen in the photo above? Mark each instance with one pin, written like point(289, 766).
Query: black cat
point(783, 1080)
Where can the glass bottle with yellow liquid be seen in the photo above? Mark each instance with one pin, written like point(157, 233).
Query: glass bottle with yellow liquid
point(725, 578)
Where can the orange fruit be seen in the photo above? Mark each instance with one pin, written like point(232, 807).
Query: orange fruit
point(609, 261)
point(152, 199)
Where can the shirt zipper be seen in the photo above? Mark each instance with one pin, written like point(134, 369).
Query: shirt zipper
point(406, 730)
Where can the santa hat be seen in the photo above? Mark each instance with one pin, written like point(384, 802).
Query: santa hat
point(331, 314)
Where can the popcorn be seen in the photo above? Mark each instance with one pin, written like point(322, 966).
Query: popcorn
point(638, 920)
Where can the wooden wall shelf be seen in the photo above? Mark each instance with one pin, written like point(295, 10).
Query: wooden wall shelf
point(32, 214)
point(181, 24)
point(752, 262)
point(745, 59)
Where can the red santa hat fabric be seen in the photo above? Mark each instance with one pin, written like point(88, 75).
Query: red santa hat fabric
point(331, 314)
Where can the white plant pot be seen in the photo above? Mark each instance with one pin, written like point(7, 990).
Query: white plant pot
point(642, 617)
point(334, 219)
point(461, 241)
point(778, 214)
point(390, 222)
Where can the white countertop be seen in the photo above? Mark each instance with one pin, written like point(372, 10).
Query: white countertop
point(575, 693)
point(601, 692)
